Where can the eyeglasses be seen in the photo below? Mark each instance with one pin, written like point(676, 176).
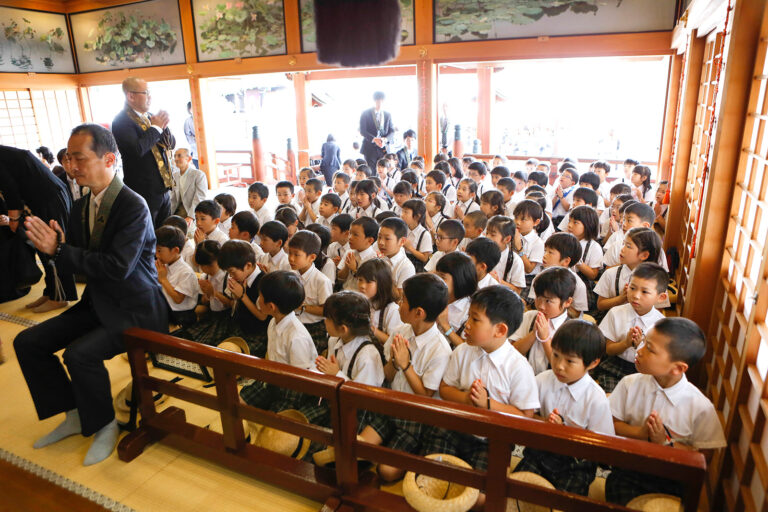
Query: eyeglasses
point(140, 92)
point(440, 238)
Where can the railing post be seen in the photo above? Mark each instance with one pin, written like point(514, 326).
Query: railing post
point(231, 424)
point(458, 145)
point(291, 164)
point(476, 146)
point(257, 153)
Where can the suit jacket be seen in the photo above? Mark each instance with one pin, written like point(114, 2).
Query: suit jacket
point(369, 132)
point(402, 158)
point(140, 170)
point(331, 155)
point(122, 290)
point(189, 191)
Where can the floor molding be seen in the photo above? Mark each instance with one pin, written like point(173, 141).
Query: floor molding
point(26, 322)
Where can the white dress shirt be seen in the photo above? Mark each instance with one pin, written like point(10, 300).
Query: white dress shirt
point(430, 352)
point(184, 281)
point(289, 342)
point(536, 355)
point(621, 319)
point(361, 257)
point(579, 293)
point(368, 367)
point(533, 249)
point(317, 289)
point(516, 274)
point(582, 404)
point(420, 238)
point(277, 262)
point(402, 268)
point(391, 318)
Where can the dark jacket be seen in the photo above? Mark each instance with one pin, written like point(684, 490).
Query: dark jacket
point(368, 130)
point(24, 180)
point(331, 161)
point(402, 158)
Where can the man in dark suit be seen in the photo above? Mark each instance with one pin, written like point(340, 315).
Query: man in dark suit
point(144, 141)
point(375, 127)
point(111, 241)
point(406, 153)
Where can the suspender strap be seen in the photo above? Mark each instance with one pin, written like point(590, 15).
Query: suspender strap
point(618, 277)
point(421, 237)
point(508, 266)
point(586, 251)
point(354, 356)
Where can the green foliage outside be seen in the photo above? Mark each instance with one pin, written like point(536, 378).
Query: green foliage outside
point(249, 28)
point(122, 39)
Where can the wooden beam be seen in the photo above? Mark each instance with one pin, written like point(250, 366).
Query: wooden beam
point(423, 22)
point(292, 27)
point(39, 5)
point(188, 32)
point(37, 81)
point(670, 115)
point(426, 78)
point(302, 125)
point(206, 153)
point(485, 99)
point(84, 102)
point(335, 74)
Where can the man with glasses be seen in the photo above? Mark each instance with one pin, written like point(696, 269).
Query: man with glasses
point(145, 143)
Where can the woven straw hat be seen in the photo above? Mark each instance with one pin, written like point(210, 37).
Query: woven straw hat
point(234, 344)
point(122, 403)
point(514, 505)
point(428, 494)
point(656, 503)
point(279, 441)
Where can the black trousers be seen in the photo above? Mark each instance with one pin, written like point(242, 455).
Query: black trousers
point(87, 344)
point(159, 207)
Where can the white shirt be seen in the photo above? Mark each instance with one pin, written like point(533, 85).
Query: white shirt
point(433, 260)
point(579, 294)
point(317, 289)
point(289, 342)
point(582, 404)
point(563, 226)
point(263, 215)
point(605, 222)
point(621, 319)
point(188, 253)
point(606, 285)
point(257, 250)
point(604, 190)
point(533, 249)
point(74, 188)
point(391, 318)
point(558, 208)
point(224, 226)
point(277, 262)
point(438, 218)
point(218, 236)
point(467, 207)
point(361, 257)
point(218, 282)
point(372, 211)
point(346, 204)
point(593, 256)
point(184, 281)
point(420, 238)
point(536, 355)
point(449, 191)
point(368, 367)
point(336, 250)
point(686, 412)
point(504, 372)
point(430, 352)
point(516, 274)
point(93, 207)
point(458, 312)
point(486, 281)
point(323, 221)
point(329, 269)
point(509, 207)
point(613, 252)
point(402, 268)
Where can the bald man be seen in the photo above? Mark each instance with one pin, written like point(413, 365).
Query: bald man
point(145, 144)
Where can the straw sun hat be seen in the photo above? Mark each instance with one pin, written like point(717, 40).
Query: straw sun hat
point(123, 401)
point(656, 503)
point(234, 344)
point(514, 505)
point(279, 441)
point(428, 494)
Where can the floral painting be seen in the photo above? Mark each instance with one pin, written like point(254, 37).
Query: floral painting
point(470, 20)
point(128, 36)
point(309, 41)
point(33, 41)
point(238, 29)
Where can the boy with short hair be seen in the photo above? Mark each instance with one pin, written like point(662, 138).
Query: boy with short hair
point(477, 172)
point(529, 246)
point(605, 217)
point(188, 251)
point(177, 279)
point(329, 208)
point(466, 203)
point(582, 196)
point(564, 250)
point(625, 326)
point(449, 236)
point(474, 226)
point(659, 405)
point(636, 215)
point(384, 168)
point(506, 384)
point(569, 396)
point(341, 182)
point(284, 192)
point(349, 167)
point(437, 181)
point(497, 173)
point(313, 190)
point(258, 194)
point(485, 255)
point(508, 188)
point(207, 217)
point(392, 235)
point(339, 237)
point(228, 209)
point(561, 197)
point(591, 180)
point(554, 289)
point(245, 227)
point(509, 271)
point(363, 232)
point(602, 168)
point(273, 235)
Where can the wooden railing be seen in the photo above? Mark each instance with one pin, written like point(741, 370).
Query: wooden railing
point(344, 488)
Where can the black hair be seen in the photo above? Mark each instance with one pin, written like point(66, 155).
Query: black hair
point(331, 198)
point(306, 241)
point(418, 163)
point(587, 195)
point(507, 183)
point(643, 211)
point(177, 222)
point(529, 208)
point(471, 184)
point(410, 177)
point(580, 338)
point(207, 252)
point(342, 221)
point(602, 164)
point(368, 187)
point(645, 172)
point(210, 208)
point(452, 228)
point(479, 166)
point(539, 177)
point(246, 221)
point(520, 175)
point(363, 168)
point(555, 282)
point(383, 162)
point(462, 271)
point(443, 166)
point(284, 289)
point(589, 219)
point(535, 188)
point(438, 177)
point(653, 272)
point(102, 140)
point(396, 225)
point(620, 189)
point(260, 189)
point(428, 292)
point(418, 209)
point(439, 199)
point(501, 305)
point(567, 245)
point(440, 157)
point(170, 237)
point(685, 339)
point(457, 171)
point(484, 250)
point(287, 215)
point(285, 184)
point(467, 159)
point(359, 161)
point(500, 157)
point(477, 218)
point(532, 161)
point(352, 310)
point(274, 230)
point(378, 95)
point(572, 172)
point(591, 179)
point(495, 199)
point(646, 239)
point(46, 153)
point(409, 133)
point(631, 161)
point(341, 175)
point(349, 162)
point(626, 201)
point(543, 163)
point(227, 202)
point(379, 271)
point(61, 154)
point(500, 170)
point(403, 187)
point(315, 184)
point(503, 225)
point(386, 214)
point(369, 225)
point(236, 254)
point(567, 163)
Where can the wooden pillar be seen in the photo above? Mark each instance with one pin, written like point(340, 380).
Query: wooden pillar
point(690, 93)
point(292, 30)
point(84, 102)
point(670, 116)
point(206, 154)
point(724, 163)
point(426, 77)
point(485, 97)
point(302, 127)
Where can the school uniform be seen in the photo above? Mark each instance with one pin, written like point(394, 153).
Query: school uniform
point(421, 241)
point(329, 270)
point(372, 211)
point(544, 235)
point(686, 412)
point(563, 226)
point(388, 319)
point(581, 404)
point(558, 209)
point(466, 206)
point(243, 323)
point(325, 221)
point(579, 294)
point(614, 327)
point(219, 283)
point(613, 248)
point(486, 281)
point(604, 191)
point(402, 268)
point(263, 215)
point(184, 281)
point(592, 256)
point(433, 260)
point(605, 223)
point(536, 355)
point(224, 226)
point(509, 380)
point(277, 262)
point(458, 312)
point(612, 283)
point(397, 209)
point(188, 253)
point(509, 207)
point(257, 250)
point(648, 196)
point(511, 269)
point(361, 257)
point(346, 204)
point(218, 236)
point(391, 180)
point(315, 207)
point(437, 219)
point(317, 289)
point(533, 249)
point(449, 191)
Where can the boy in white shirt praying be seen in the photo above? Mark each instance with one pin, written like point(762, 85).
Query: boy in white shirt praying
point(178, 280)
point(363, 232)
point(339, 245)
point(392, 236)
point(258, 194)
point(313, 190)
point(273, 236)
point(207, 217)
point(564, 250)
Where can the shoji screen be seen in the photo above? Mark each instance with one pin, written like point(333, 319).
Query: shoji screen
point(33, 118)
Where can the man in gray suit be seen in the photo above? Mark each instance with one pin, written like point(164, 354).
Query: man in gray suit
point(189, 186)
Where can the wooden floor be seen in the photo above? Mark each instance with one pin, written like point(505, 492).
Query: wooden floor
point(159, 480)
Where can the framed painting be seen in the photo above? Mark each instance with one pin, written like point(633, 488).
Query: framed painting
point(238, 29)
point(135, 35)
point(34, 41)
point(307, 15)
point(463, 20)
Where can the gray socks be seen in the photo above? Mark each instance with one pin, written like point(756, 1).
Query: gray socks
point(69, 427)
point(104, 442)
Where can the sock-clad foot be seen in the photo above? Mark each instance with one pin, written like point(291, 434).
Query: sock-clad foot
point(104, 442)
point(69, 427)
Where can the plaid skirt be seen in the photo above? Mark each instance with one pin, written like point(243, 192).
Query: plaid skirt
point(564, 472)
point(319, 335)
point(621, 486)
point(610, 371)
point(220, 327)
point(471, 449)
point(396, 433)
